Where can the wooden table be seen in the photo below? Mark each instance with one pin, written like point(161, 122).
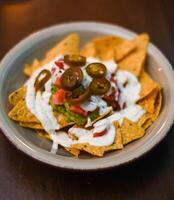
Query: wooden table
point(152, 177)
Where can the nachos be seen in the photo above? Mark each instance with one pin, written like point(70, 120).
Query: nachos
point(95, 99)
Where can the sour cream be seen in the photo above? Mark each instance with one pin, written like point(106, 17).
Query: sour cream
point(129, 87)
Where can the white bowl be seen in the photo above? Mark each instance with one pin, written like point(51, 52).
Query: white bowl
point(34, 46)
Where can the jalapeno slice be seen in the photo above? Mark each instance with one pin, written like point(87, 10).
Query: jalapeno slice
point(99, 86)
point(41, 79)
point(78, 91)
point(79, 99)
point(75, 60)
point(71, 78)
point(96, 69)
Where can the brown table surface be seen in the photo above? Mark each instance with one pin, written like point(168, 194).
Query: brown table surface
point(150, 178)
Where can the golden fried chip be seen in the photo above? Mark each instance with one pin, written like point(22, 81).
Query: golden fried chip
point(17, 95)
point(118, 144)
point(145, 121)
point(122, 50)
point(69, 45)
point(29, 69)
point(147, 84)
point(147, 124)
point(21, 113)
point(93, 150)
point(88, 50)
point(99, 151)
point(158, 105)
point(148, 118)
point(73, 151)
point(148, 102)
point(110, 109)
point(43, 133)
point(130, 131)
point(104, 46)
point(134, 62)
point(31, 125)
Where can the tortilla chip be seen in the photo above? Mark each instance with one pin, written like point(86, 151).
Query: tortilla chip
point(31, 125)
point(73, 151)
point(147, 84)
point(43, 133)
point(63, 123)
point(122, 50)
point(158, 105)
point(145, 121)
point(134, 62)
point(104, 46)
point(110, 109)
point(148, 118)
point(21, 113)
point(29, 69)
point(118, 144)
point(148, 103)
point(69, 45)
point(99, 151)
point(130, 131)
point(88, 50)
point(17, 95)
point(147, 124)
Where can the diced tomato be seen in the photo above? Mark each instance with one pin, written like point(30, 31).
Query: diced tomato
point(59, 97)
point(60, 64)
point(77, 109)
point(101, 133)
point(57, 82)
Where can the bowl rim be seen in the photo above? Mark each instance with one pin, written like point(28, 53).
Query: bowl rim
point(67, 163)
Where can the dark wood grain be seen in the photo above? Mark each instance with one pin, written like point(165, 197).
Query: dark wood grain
point(152, 177)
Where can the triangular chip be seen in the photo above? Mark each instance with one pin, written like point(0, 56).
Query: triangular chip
point(29, 69)
point(158, 105)
point(145, 121)
point(31, 125)
point(99, 151)
point(88, 50)
point(130, 131)
point(69, 45)
point(105, 114)
point(148, 103)
point(17, 95)
point(134, 62)
point(147, 84)
point(104, 46)
point(21, 113)
point(122, 50)
point(148, 118)
point(73, 151)
point(45, 135)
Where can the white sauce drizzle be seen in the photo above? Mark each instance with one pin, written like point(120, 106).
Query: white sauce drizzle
point(38, 104)
point(133, 113)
